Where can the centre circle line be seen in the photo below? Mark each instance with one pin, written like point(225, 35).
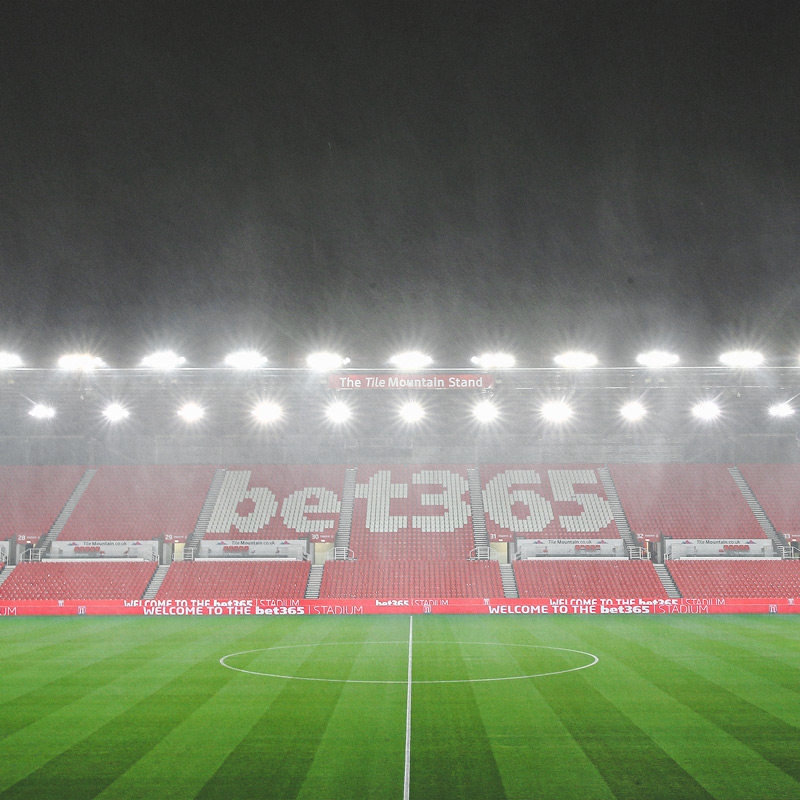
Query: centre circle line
point(223, 662)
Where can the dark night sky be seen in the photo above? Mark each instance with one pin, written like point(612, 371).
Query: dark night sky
point(452, 176)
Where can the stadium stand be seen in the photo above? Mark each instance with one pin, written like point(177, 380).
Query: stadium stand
point(586, 578)
point(546, 501)
point(124, 503)
point(278, 502)
point(195, 580)
point(406, 512)
point(60, 580)
point(721, 577)
point(694, 501)
point(777, 489)
point(411, 579)
point(32, 497)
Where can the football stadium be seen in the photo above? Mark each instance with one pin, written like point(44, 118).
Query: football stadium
point(330, 582)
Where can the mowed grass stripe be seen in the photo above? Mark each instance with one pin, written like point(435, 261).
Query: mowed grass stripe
point(92, 719)
point(451, 754)
point(633, 765)
point(726, 767)
point(770, 737)
point(274, 755)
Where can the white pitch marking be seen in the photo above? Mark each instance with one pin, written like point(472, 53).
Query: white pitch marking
point(461, 680)
point(407, 775)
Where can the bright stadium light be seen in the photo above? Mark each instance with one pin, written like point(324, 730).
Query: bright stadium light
point(267, 412)
point(494, 361)
point(191, 412)
point(245, 360)
point(576, 359)
point(707, 410)
point(325, 362)
point(485, 411)
point(338, 412)
point(10, 361)
point(163, 360)
point(657, 359)
point(780, 410)
point(633, 411)
point(79, 362)
point(410, 360)
point(42, 411)
point(115, 412)
point(742, 359)
point(411, 411)
point(555, 411)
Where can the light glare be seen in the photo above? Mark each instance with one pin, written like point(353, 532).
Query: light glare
point(191, 412)
point(742, 358)
point(79, 362)
point(410, 360)
point(325, 362)
point(494, 361)
point(115, 412)
point(633, 411)
point(485, 411)
point(42, 411)
point(781, 410)
point(412, 412)
point(164, 360)
point(576, 359)
point(245, 359)
point(267, 412)
point(657, 359)
point(556, 411)
point(338, 412)
point(10, 361)
point(707, 410)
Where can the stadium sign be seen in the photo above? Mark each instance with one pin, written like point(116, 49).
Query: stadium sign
point(438, 380)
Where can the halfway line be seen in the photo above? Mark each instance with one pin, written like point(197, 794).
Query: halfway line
point(407, 776)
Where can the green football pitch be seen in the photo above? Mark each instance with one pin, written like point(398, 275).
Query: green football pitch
point(377, 707)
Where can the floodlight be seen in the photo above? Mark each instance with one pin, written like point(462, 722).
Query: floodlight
point(411, 412)
point(164, 360)
point(485, 411)
point(191, 412)
point(633, 411)
point(781, 410)
point(267, 412)
point(115, 412)
point(494, 361)
point(555, 411)
point(707, 410)
point(576, 359)
point(743, 359)
point(410, 360)
point(245, 359)
point(10, 361)
point(657, 359)
point(42, 411)
point(324, 362)
point(79, 362)
point(338, 412)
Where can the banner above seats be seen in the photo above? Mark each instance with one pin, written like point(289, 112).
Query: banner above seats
point(294, 607)
point(726, 548)
point(437, 380)
point(562, 548)
point(147, 550)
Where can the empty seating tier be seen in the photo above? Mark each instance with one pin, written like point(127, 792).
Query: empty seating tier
point(61, 580)
point(278, 502)
point(586, 579)
point(405, 512)
point(545, 501)
point(684, 501)
point(32, 497)
point(411, 579)
point(777, 489)
point(247, 580)
point(139, 502)
point(735, 578)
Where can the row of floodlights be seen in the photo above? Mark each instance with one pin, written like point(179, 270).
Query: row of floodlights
point(166, 360)
point(486, 411)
